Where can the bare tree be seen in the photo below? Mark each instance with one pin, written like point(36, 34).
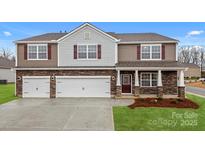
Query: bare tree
point(191, 54)
point(6, 53)
point(184, 55)
point(13, 58)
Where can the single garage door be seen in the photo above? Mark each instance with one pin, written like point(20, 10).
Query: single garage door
point(83, 86)
point(36, 86)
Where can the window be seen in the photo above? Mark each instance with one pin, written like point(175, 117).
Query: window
point(82, 52)
point(42, 52)
point(92, 50)
point(148, 79)
point(151, 52)
point(155, 52)
point(146, 52)
point(37, 52)
point(32, 52)
point(87, 51)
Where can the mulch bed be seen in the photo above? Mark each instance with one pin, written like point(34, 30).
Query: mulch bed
point(165, 102)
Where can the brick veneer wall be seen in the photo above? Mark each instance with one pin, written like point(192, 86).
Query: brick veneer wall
point(20, 73)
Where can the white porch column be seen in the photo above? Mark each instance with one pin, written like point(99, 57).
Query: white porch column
point(181, 78)
point(159, 82)
point(118, 78)
point(136, 78)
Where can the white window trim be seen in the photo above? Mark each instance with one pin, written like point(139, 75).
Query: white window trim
point(87, 52)
point(37, 51)
point(150, 45)
point(149, 80)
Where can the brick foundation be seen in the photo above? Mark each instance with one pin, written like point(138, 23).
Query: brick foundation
point(181, 92)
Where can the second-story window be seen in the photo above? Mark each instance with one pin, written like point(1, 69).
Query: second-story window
point(151, 52)
point(87, 51)
point(37, 52)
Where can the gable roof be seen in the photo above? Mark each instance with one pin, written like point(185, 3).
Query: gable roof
point(92, 26)
point(118, 37)
point(142, 37)
point(6, 63)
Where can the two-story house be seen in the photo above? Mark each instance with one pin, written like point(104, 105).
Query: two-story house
point(88, 62)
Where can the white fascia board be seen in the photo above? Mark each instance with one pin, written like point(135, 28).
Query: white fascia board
point(79, 68)
point(147, 42)
point(87, 24)
point(151, 68)
point(84, 77)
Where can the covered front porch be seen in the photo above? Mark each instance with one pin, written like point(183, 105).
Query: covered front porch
point(150, 82)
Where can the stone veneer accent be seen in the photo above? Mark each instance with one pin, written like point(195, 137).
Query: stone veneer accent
point(136, 91)
point(181, 92)
point(52, 87)
point(159, 91)
point(20, 73)
point(118, 91)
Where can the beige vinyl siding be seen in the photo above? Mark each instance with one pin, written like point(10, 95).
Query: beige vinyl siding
point(170, 51)
point(21, 62)
point(128, 52)
point(107, 49)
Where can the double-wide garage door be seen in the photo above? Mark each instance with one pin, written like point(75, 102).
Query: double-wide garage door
point(67, 86)
point(86, 86)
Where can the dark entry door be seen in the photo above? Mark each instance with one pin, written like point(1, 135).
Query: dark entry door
point(126, 83)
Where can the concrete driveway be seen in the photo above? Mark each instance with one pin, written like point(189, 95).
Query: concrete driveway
point(57, 114)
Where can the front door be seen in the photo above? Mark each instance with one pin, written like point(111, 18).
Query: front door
point(126, 83)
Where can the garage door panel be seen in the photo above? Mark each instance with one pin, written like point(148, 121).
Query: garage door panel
point(36, 87)
point(83, 87)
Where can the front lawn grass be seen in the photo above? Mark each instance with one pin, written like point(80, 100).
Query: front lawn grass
point(154, 119)
point(7, 93)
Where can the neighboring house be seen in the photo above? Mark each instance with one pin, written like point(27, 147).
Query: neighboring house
point(6, 70)
point(88, 62)
point(193, 71)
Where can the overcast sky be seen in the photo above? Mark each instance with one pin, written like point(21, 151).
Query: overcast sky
point(186, 33)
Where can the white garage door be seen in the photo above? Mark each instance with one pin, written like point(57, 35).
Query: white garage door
point(36, 86)
point(86, 86)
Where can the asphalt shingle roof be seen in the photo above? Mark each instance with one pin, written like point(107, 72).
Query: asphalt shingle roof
point(45, 37)
point(151, 64)
point(141, 37)
point(126, 37)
